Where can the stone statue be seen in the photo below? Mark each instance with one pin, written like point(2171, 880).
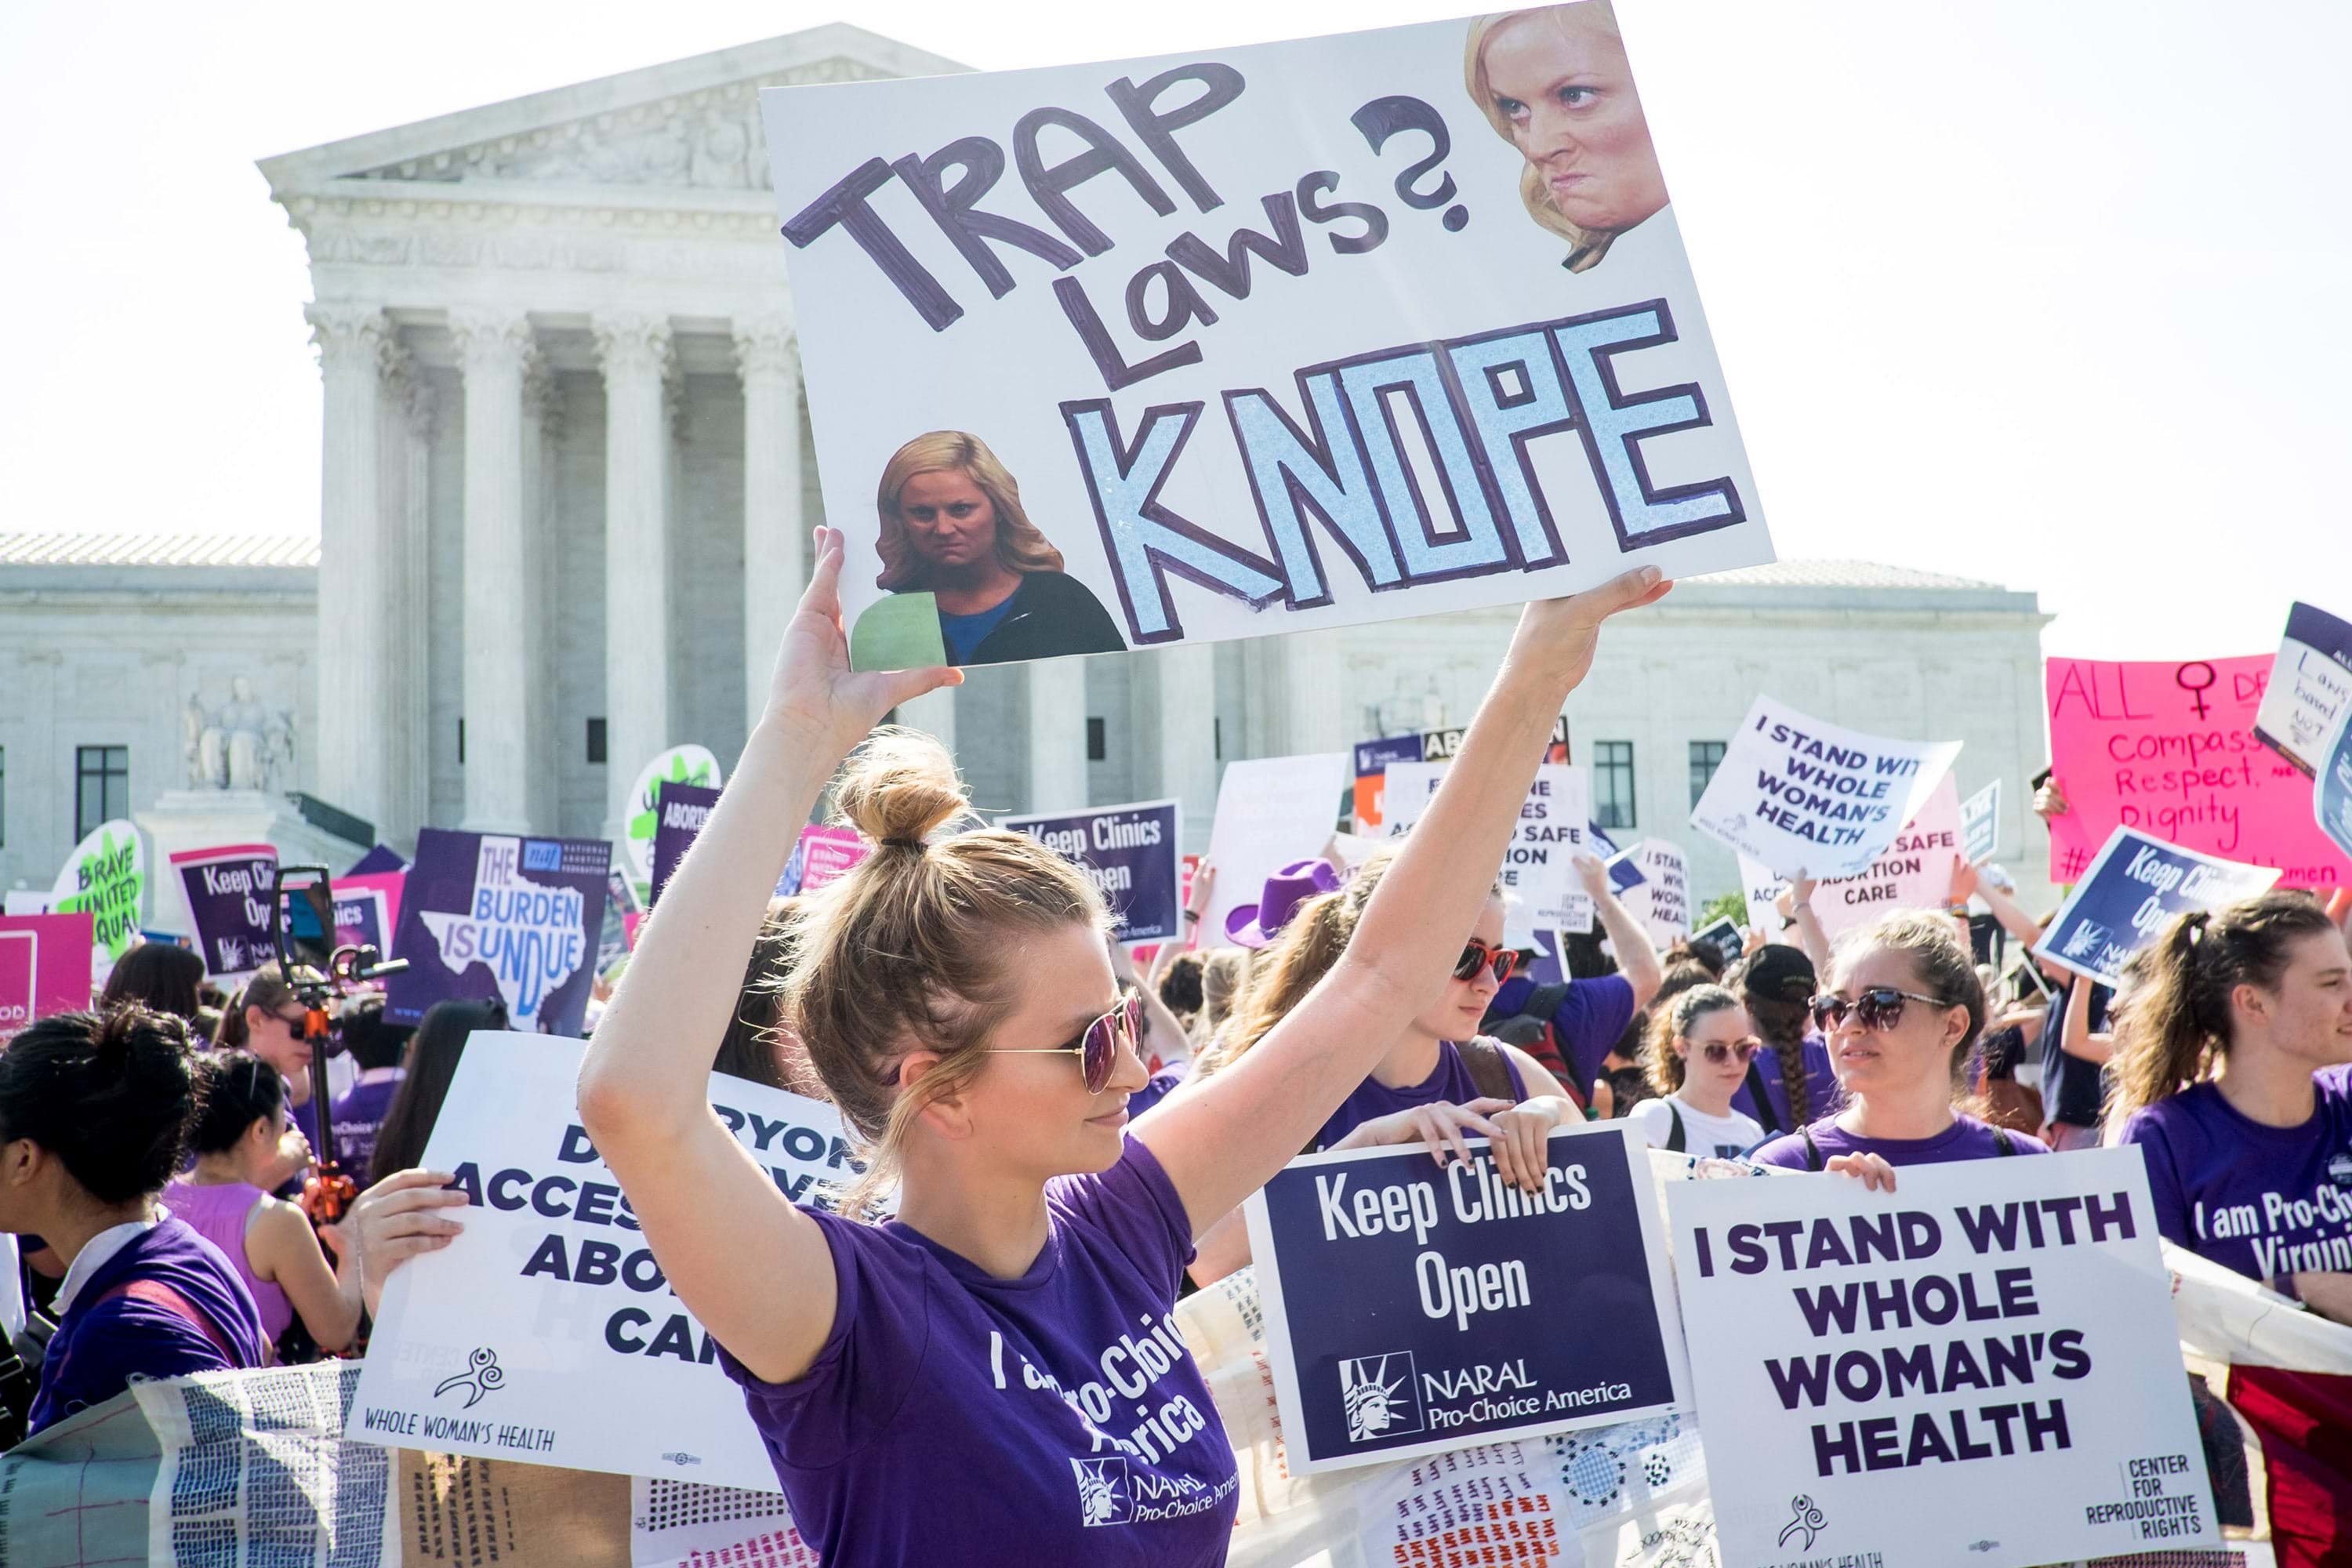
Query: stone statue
point(243, 746)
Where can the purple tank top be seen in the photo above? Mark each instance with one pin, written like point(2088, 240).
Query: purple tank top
point(218, 1212)
point(1450, 1080)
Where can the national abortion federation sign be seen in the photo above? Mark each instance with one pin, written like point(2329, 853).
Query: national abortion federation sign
point(1128, 852)
point(1799, 796)
point(490, 914)
point(1538, 868)
point(1409, 1310)
point(1251, 341)
point(546, 1332)
point(2131, 890)
point(1978, 1370)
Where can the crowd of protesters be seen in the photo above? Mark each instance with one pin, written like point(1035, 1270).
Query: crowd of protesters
point(1067, 1142)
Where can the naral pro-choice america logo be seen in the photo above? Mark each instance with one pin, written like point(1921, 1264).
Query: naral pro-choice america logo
point(1103, 1496)
point(1380, 1395)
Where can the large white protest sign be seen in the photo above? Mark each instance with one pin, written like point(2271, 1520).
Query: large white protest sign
point(1875, 1366)
point(1914, 873)
point(1537, 873)
point(1270, 811)
point(1244, 341)
point(546, 1333)
point(1804, 797)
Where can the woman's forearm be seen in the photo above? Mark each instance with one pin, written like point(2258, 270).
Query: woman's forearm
point(649, 1064)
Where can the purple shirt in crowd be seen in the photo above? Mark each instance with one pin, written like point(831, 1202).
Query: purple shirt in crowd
point(1591, 1019)
point(1823, 1096)
point(2265, 1201)
point(1965, 1138)
point(1156, 1088)
point(101, 1343)
point(219, 1212)
point(359, 1116)
point(956, 1418)
point(1449, 1080)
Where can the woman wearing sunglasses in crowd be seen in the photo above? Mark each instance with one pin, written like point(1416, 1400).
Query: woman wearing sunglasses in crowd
point(1438, 1083)
point(1904, 1009)
point(1697, 1054)
point(992, 1376)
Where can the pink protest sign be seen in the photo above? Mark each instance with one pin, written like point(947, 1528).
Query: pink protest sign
point(44, 966)
point(827, 852)
point(2168, 748)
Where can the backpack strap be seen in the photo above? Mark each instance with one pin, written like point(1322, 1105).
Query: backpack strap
point(155, 1293)
point(1545, 1000)
point(2003, 1141)
point(1675, 1142)
point(1490, 1071)
point(1765, 1113)
point(1814, 1161)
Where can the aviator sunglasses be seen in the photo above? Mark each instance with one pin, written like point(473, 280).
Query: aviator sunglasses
point(1476, 955)
point(1719, 1052)
point(1096, 1046)
point(1880, 1007)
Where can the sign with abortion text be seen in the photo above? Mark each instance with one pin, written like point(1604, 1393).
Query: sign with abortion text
point(1801, 797)
point(1981, 825)
point(2131, 890)
point(2310, 685)
point(495, 915)
point(1539, 876)
point(1875, 1366)
point(520, 1339)
point(44, 967)
point(2168, 748)
point(1250, 341)
point(680, 810)
point(688, 765)
point(1409, 1310)
point(1128, 852)
point(1913, 873)
point(232, 894)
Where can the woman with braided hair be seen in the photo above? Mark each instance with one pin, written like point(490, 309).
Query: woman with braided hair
point(1776, 984)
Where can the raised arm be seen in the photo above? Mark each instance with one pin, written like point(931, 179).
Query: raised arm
point(753, 1267)
point(1967, 880)
point(1637, 958)
point(1222, 1141)
point(1797, 901)
point(2075, 1037)
point(1196, 904)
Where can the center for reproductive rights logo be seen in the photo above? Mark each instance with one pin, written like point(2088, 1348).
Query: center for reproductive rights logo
point(1381, 1396)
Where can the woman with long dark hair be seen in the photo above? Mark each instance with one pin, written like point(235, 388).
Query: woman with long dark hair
point(434, 1053)
point(94, 1115)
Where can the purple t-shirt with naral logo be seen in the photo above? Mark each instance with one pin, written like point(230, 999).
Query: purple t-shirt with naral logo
point(2265, 1201)
point(1966, 1139)
point(956, 1418)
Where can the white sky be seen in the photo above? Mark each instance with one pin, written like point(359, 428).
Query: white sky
point(2054, 292)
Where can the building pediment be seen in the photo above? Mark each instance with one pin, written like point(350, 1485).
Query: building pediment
point(689, 125)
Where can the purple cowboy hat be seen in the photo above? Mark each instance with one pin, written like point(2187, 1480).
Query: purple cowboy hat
point(1257, 924)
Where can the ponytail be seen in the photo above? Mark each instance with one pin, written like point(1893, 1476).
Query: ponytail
point(2179, 1016)
point(1673, 1021)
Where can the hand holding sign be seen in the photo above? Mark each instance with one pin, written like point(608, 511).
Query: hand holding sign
point(816, 699)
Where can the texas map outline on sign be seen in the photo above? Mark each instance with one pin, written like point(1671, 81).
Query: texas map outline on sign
point(528, 934)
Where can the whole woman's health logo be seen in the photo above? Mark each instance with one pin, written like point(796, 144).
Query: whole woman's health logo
point(1380, 1396)
point(482, 1375)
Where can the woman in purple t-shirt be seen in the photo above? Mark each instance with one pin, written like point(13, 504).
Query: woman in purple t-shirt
point(994, 1376)
point(2251, 1164)
point(1904, 1011)
point(1426, 1088)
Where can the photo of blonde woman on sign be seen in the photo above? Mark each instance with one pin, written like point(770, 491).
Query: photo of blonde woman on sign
point(953, 530)
point(1555, 84)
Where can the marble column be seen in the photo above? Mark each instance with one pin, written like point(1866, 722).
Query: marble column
point(494, 348)
point(542, 427)
point(636, 353)
point(1058, 734)
point(354, 677)
point(406, 434)
point(1185, 710)
point(1295, 694)
point(775, 534)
